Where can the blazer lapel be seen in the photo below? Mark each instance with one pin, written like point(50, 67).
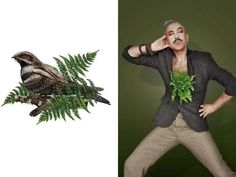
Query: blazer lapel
point(169, 57)
point(190, 68)
point(189, 63)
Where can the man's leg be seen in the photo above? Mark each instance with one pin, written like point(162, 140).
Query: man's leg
point(152, 147)
point(202, 145)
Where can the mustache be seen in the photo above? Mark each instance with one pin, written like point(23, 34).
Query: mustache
point(177, 39)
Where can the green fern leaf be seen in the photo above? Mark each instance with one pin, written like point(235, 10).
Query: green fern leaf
point(62, 67)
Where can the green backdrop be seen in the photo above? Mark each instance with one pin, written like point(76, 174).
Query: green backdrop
point(211, 25)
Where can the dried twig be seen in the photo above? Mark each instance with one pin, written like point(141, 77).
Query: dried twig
point(40, 101)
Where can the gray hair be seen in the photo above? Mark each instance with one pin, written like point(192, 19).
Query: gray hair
point(168, 22)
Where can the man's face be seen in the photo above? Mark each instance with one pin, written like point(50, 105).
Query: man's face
point(176, 36)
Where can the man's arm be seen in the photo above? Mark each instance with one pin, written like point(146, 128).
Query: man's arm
point(227, 80)
point(217, 104)
point(156, 46)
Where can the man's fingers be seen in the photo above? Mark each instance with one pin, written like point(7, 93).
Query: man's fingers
point(202, 114)
point(200, 110)
point(163, 37)
point(167, 45)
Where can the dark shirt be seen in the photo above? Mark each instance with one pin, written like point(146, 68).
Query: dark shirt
point(202, 65)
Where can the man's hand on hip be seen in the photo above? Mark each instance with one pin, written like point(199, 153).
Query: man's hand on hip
point(218, 103)
point(206, 109)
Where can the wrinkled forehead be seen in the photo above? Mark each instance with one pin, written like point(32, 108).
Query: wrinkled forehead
point(173, 27)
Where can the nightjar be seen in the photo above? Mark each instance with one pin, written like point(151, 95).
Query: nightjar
point(44, 79)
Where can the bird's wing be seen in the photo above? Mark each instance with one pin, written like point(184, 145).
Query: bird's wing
point(43, 73)
point(50, 72)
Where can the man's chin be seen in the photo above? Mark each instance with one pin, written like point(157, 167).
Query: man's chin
point(178, 48)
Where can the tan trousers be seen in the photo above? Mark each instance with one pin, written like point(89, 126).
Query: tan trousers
point(160, 140)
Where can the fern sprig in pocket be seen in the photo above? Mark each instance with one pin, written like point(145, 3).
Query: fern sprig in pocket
point(182, 86)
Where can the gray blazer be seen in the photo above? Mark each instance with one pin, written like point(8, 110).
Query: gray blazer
point(200, 64)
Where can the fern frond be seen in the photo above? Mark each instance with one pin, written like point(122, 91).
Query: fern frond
point(79, 62)
point(18, 91)
point(62, 67)
point(76, 65)
point(61, 106)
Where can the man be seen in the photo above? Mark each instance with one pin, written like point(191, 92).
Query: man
point(180, 123)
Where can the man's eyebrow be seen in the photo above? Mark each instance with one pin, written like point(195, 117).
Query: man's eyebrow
point(171, 31)
point(180, 28)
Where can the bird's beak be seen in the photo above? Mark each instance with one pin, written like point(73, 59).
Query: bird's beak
point(14, 56)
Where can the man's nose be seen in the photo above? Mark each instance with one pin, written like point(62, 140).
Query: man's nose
point(176, 35)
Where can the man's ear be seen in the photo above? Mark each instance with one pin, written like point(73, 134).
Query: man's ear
point(187, 36)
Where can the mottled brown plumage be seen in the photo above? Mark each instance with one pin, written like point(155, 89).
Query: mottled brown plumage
point(39, 77)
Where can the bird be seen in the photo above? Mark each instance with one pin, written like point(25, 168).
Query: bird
point(44, 79)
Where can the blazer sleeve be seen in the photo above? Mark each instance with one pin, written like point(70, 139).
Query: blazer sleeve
point(146, 60)
point(222, 76)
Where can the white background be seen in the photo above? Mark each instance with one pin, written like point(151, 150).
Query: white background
point(81, 148)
